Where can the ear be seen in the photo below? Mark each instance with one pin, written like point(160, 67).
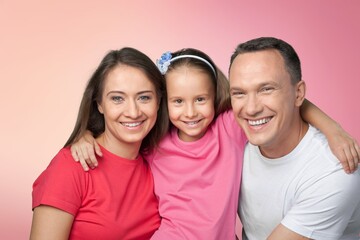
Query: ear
point(100, 108)
point(300, 93)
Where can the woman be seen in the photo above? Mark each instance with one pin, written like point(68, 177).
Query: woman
point(122, 106)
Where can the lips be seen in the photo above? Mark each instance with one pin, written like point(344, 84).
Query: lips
point(192, 122)
point(259, 122)
point(132, 124)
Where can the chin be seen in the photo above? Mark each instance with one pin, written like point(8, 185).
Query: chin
point(256, 140)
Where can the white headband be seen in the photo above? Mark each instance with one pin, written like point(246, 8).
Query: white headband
point(164, 62)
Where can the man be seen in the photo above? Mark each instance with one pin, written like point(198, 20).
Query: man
point(293, 187)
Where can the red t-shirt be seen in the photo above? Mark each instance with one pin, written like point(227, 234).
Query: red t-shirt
point(114, 201)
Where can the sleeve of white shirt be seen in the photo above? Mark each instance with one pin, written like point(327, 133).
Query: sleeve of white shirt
point(324, 204)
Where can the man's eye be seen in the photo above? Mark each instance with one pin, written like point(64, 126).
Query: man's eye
point(237, 94)
point(266, 89)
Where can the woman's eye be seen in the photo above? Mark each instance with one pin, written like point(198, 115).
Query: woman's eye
point(144, 98)
point(178, 101)
point(116, 98)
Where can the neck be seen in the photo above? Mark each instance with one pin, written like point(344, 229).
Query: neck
point(121, 149)
point(288, 143)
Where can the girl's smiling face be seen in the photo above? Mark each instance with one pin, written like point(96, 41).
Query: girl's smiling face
point(190, 98)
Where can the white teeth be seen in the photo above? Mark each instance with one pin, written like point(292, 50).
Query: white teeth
point(131, 124)
point(259, 122)
point(192, 123)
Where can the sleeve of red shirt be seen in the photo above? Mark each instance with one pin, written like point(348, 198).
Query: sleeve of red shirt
point(62, 184)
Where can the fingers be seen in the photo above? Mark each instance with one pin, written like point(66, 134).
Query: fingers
point(84, 155)
point(351, 157)
point(355, 152)
point(349, 160)
point(84, 165)
point(91, 159)
point(83, 151)
point(341, 155)
point(97, 149)
point(83, 158)
point(74, 153)
point(78, 156)
point(357, 149)
point(89, 156)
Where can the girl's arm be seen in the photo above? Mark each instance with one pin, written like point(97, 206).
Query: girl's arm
point(84, 150)
point(344, 147)
point(50, 223)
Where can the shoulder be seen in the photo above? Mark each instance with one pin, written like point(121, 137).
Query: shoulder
point(61, 171)
point(63, 159)
point(62, 166)
point(316, 150)
point(61, 184)
point(225, 117)
point(227, 125)
point(319, 168)
point(166, 142)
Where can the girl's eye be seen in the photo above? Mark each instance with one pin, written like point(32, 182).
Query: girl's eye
point(200, 99)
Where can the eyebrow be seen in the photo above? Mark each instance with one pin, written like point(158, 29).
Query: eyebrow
point(139, 93)
point(273, 83)
point(196, 96)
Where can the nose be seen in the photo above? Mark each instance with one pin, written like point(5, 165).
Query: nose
point(253, 105)
point(190, 110)
point(132, 110)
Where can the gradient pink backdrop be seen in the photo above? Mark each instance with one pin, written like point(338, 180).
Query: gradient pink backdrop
point(48, 49)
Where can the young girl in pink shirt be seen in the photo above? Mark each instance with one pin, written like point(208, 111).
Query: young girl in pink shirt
point(197, 166)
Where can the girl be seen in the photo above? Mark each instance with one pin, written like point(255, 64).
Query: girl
point(121, 105)
point(197, 166)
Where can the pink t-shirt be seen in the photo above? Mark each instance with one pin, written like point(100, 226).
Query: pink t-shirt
point(198, 183)
point(115, 201)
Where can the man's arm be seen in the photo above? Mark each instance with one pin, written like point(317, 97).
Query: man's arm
point(283, 233)
point(324, 207)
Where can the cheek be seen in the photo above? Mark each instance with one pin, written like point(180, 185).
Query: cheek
point(172, 116)
point(278, 104)
point(110, 115)
point(152, 109)
point(173, 111)
point(236, 105)
point(211, 111)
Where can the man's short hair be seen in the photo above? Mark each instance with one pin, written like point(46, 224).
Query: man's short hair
point(291, 59)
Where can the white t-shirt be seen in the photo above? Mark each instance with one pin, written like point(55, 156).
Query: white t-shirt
point(307, 191)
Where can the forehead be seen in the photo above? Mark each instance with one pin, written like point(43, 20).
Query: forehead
point(127, 77)
point(265, 65)
point(187, 77)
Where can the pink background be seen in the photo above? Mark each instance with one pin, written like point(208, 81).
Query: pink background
point(48, 49)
